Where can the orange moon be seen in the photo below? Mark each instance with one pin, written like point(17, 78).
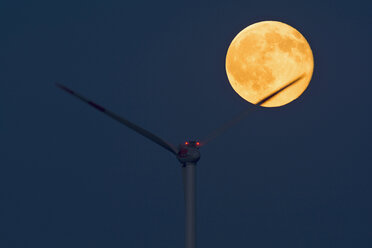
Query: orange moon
point(266, 56)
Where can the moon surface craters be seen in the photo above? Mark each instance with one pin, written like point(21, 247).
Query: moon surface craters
point(266, 55)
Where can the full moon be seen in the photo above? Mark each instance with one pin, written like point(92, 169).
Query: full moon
point(266, 56)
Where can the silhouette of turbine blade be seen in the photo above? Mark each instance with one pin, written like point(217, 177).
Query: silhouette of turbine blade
point(127, 123)
point(241, 115)
point(218, 131)
point(269, 97)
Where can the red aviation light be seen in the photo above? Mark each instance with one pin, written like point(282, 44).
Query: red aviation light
point(197, 143)
point(186, 143)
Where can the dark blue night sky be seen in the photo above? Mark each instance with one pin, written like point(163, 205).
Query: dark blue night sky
point(293, 177)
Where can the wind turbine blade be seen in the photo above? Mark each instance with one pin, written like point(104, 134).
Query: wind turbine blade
point(218, 131)
point(127, 123)
point(241, 115)
point(269, 97)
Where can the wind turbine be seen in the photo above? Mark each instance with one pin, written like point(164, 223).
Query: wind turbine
point(187, 153)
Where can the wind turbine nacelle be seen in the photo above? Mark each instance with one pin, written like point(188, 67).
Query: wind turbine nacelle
point(188, 152)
